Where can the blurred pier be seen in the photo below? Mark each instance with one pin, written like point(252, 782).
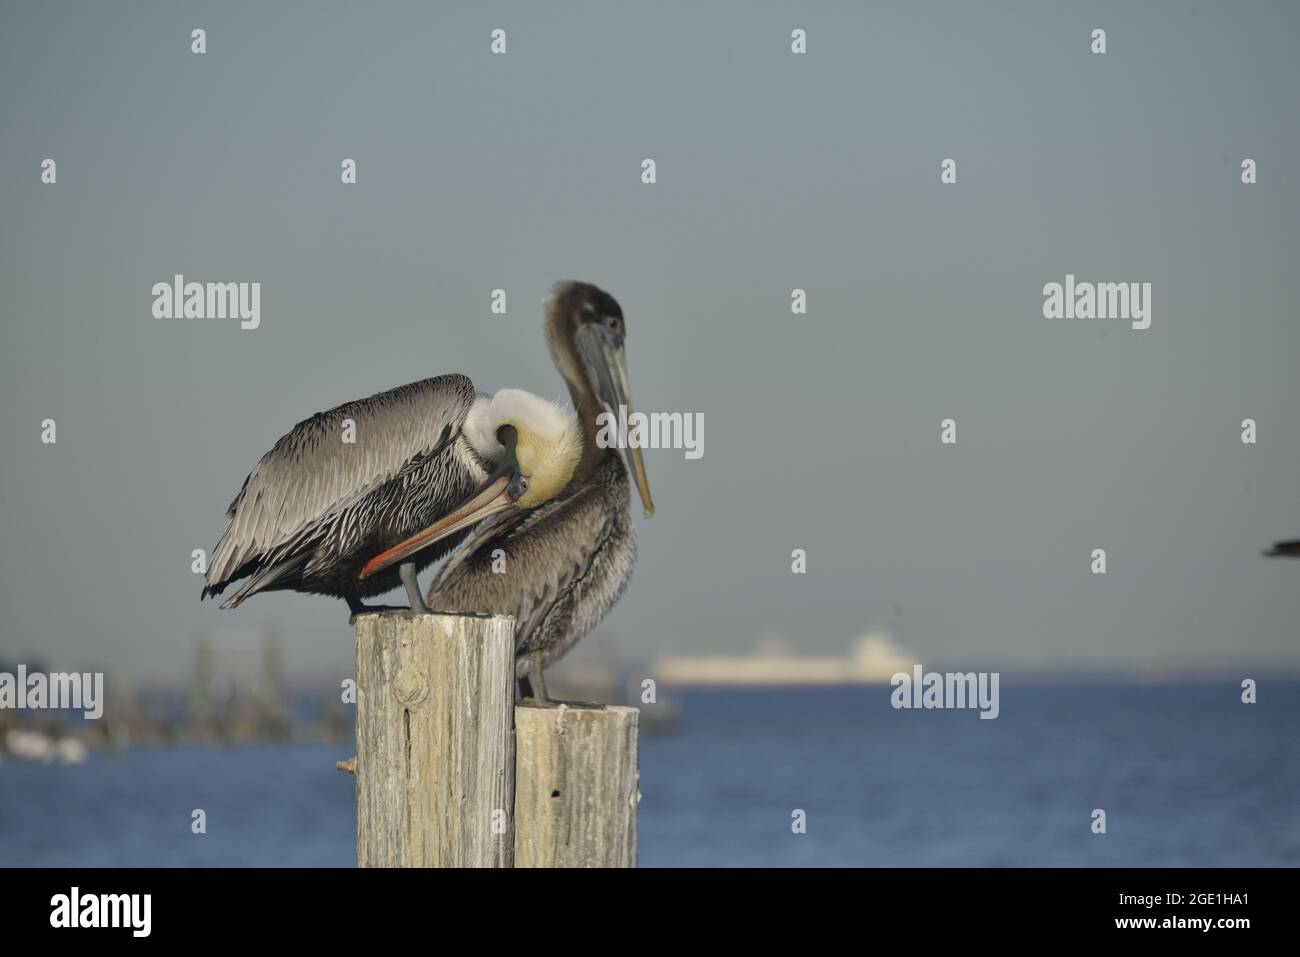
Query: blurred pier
point(209, 707)
point(236, 696)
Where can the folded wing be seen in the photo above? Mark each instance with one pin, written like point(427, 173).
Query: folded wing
point(312, 473)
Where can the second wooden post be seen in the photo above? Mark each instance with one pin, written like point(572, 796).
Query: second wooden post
point(576, 787)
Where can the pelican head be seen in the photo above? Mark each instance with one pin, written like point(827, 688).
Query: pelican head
point(585, 333)
point(542, 438)
point(535, 446)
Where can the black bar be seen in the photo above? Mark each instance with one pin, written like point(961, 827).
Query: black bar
point(359, 908)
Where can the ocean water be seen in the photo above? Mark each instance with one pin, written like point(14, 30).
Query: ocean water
point(1187, 775)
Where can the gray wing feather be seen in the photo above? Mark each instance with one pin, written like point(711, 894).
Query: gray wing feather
point(263, 577)
point(311, 472)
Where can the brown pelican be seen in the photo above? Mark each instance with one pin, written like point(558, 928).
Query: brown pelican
point(324, 515)
point(1285, 550)
point(567, 561)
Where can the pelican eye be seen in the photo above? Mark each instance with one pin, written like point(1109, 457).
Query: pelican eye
point(523, 483)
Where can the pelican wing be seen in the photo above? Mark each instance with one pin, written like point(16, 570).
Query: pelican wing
point(330, 460)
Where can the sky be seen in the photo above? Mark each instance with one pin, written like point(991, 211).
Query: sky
point(774, 172)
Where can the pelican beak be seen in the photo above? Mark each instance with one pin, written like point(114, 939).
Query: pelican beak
point(606, 361)
point(498, 493)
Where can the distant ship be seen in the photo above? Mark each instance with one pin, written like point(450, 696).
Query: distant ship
point(873, 660)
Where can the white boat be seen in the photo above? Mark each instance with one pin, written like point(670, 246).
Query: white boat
point(26, 745)
point(873, 660)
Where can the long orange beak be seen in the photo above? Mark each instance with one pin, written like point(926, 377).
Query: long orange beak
point(494, 497)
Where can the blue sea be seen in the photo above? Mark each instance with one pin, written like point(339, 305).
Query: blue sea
point(1186, 774)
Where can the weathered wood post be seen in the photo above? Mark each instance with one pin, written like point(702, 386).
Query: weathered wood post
point(435, 761)
point(575, 787)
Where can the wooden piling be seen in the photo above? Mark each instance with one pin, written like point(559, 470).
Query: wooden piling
point(435, 761)
point(575, 787)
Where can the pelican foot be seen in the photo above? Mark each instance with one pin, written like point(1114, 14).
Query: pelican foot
point(360, 609)
point(532, 690)
point(551, 703)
